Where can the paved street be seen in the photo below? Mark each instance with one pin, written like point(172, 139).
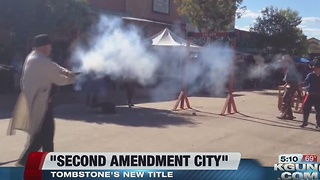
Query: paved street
point(150, 127)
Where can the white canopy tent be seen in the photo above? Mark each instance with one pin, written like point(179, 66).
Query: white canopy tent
point(173, 50)
point(167, 38)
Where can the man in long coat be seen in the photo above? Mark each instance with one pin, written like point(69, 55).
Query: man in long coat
point(33, 111)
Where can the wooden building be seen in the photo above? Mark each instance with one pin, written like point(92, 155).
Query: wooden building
point(314, 47)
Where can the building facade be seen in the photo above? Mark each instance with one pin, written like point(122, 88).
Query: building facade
point(314, 47)
point(151, 16)
point(246, 42)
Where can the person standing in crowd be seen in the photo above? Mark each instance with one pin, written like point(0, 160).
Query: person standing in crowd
point(293, 84)
point(33, 111)
point(129, 82)
point(17, 64)
point(91, 88)
point(312, 83)
point(129, 85)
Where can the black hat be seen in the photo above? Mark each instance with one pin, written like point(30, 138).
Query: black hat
point(41, 40)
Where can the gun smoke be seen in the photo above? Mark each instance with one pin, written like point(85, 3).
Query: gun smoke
point(116, 51)
point(262, 71)
point(119, 52)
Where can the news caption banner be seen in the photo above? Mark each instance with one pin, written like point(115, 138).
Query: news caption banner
point(174, 166)
point(297, 166)
point(170, 166)
point(184, 166)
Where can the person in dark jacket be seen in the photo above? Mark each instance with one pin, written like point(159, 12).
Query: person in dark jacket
point(312, 83)
point(130, 87)
point(292, 80)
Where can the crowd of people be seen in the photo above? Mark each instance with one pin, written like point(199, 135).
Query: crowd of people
point(33, 111)
point(257, 74)
point(96, 88)
point(10, 67)
point(294, 82)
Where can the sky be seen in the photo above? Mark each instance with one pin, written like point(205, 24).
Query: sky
point(309, 10)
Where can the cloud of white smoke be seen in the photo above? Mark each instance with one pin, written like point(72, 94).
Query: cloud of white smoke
point(119, 52)
point(215, 63)
point(116, 51)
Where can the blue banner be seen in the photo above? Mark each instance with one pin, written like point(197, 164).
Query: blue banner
point(248, 170)
point(11, 173)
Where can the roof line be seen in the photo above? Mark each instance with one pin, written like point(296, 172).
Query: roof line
point(147, 20)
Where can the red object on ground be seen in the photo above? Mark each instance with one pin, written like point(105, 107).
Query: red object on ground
point(230, 105)
point(183, 97)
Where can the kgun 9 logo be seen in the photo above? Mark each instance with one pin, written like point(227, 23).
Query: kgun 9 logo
point(297, 171)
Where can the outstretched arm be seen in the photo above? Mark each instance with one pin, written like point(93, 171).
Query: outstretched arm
point(58, 75)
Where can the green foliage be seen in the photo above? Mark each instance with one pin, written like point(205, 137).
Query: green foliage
point(55, 17)
point(279, 29)
point(210, 15)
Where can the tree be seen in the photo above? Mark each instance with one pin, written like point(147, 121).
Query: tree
point(58, 18)
point(210, 15)
point(279, 30)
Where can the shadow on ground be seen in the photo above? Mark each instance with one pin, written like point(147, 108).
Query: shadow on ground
point(135, 117)
point(289, 124)
point(8, 162)
point(262, 91)
point(268, 93)
point(142, 95)
point(78, 99)
point(235, 94)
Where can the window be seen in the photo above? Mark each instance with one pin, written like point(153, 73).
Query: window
point(161, 6)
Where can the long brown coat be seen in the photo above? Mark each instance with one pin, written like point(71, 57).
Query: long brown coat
point(39, 73)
